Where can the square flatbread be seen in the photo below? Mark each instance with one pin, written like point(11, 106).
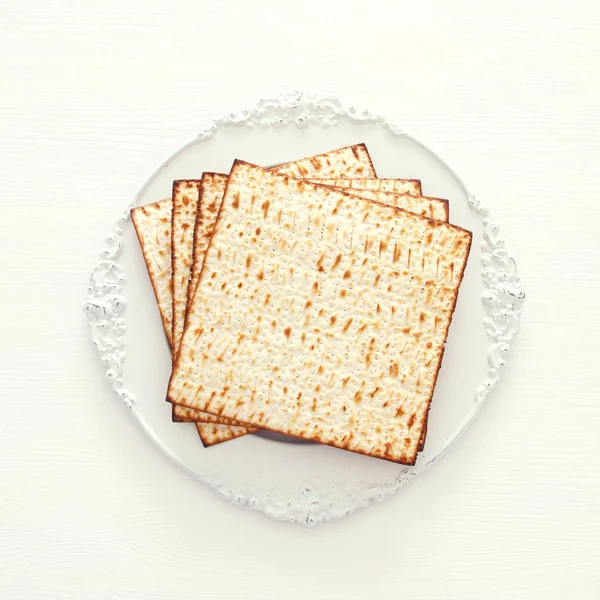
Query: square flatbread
point(321, 315)
point(211, 195)
point(183, 217)
point(349, 162)
point(152, 225)
point(212, 188)
point(400, 186)
point(426, 206)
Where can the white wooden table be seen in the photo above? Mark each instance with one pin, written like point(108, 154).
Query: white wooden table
point(93, 95)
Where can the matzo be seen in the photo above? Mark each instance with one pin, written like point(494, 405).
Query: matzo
point(189, 414)
point(434, 208)
point(152, 225)
point(320, 315)
point(212, 187)
point(185, 192)
point(351, 161)
point(211, 194)
point(185, 204)
point(212, 433)
point(400, 186)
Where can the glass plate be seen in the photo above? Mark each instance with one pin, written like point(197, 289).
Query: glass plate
point(288, 479)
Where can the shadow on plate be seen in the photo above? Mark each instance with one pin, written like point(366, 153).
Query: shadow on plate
point(282, 438)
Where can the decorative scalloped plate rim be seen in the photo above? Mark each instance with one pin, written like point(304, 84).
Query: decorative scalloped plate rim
point(502, 299)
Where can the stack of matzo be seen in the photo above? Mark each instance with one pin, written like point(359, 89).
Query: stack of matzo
point(312, 299)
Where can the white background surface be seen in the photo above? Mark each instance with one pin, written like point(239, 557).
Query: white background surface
point(94, 95)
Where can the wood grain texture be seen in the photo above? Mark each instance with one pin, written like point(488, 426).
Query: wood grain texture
point(95, 95)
